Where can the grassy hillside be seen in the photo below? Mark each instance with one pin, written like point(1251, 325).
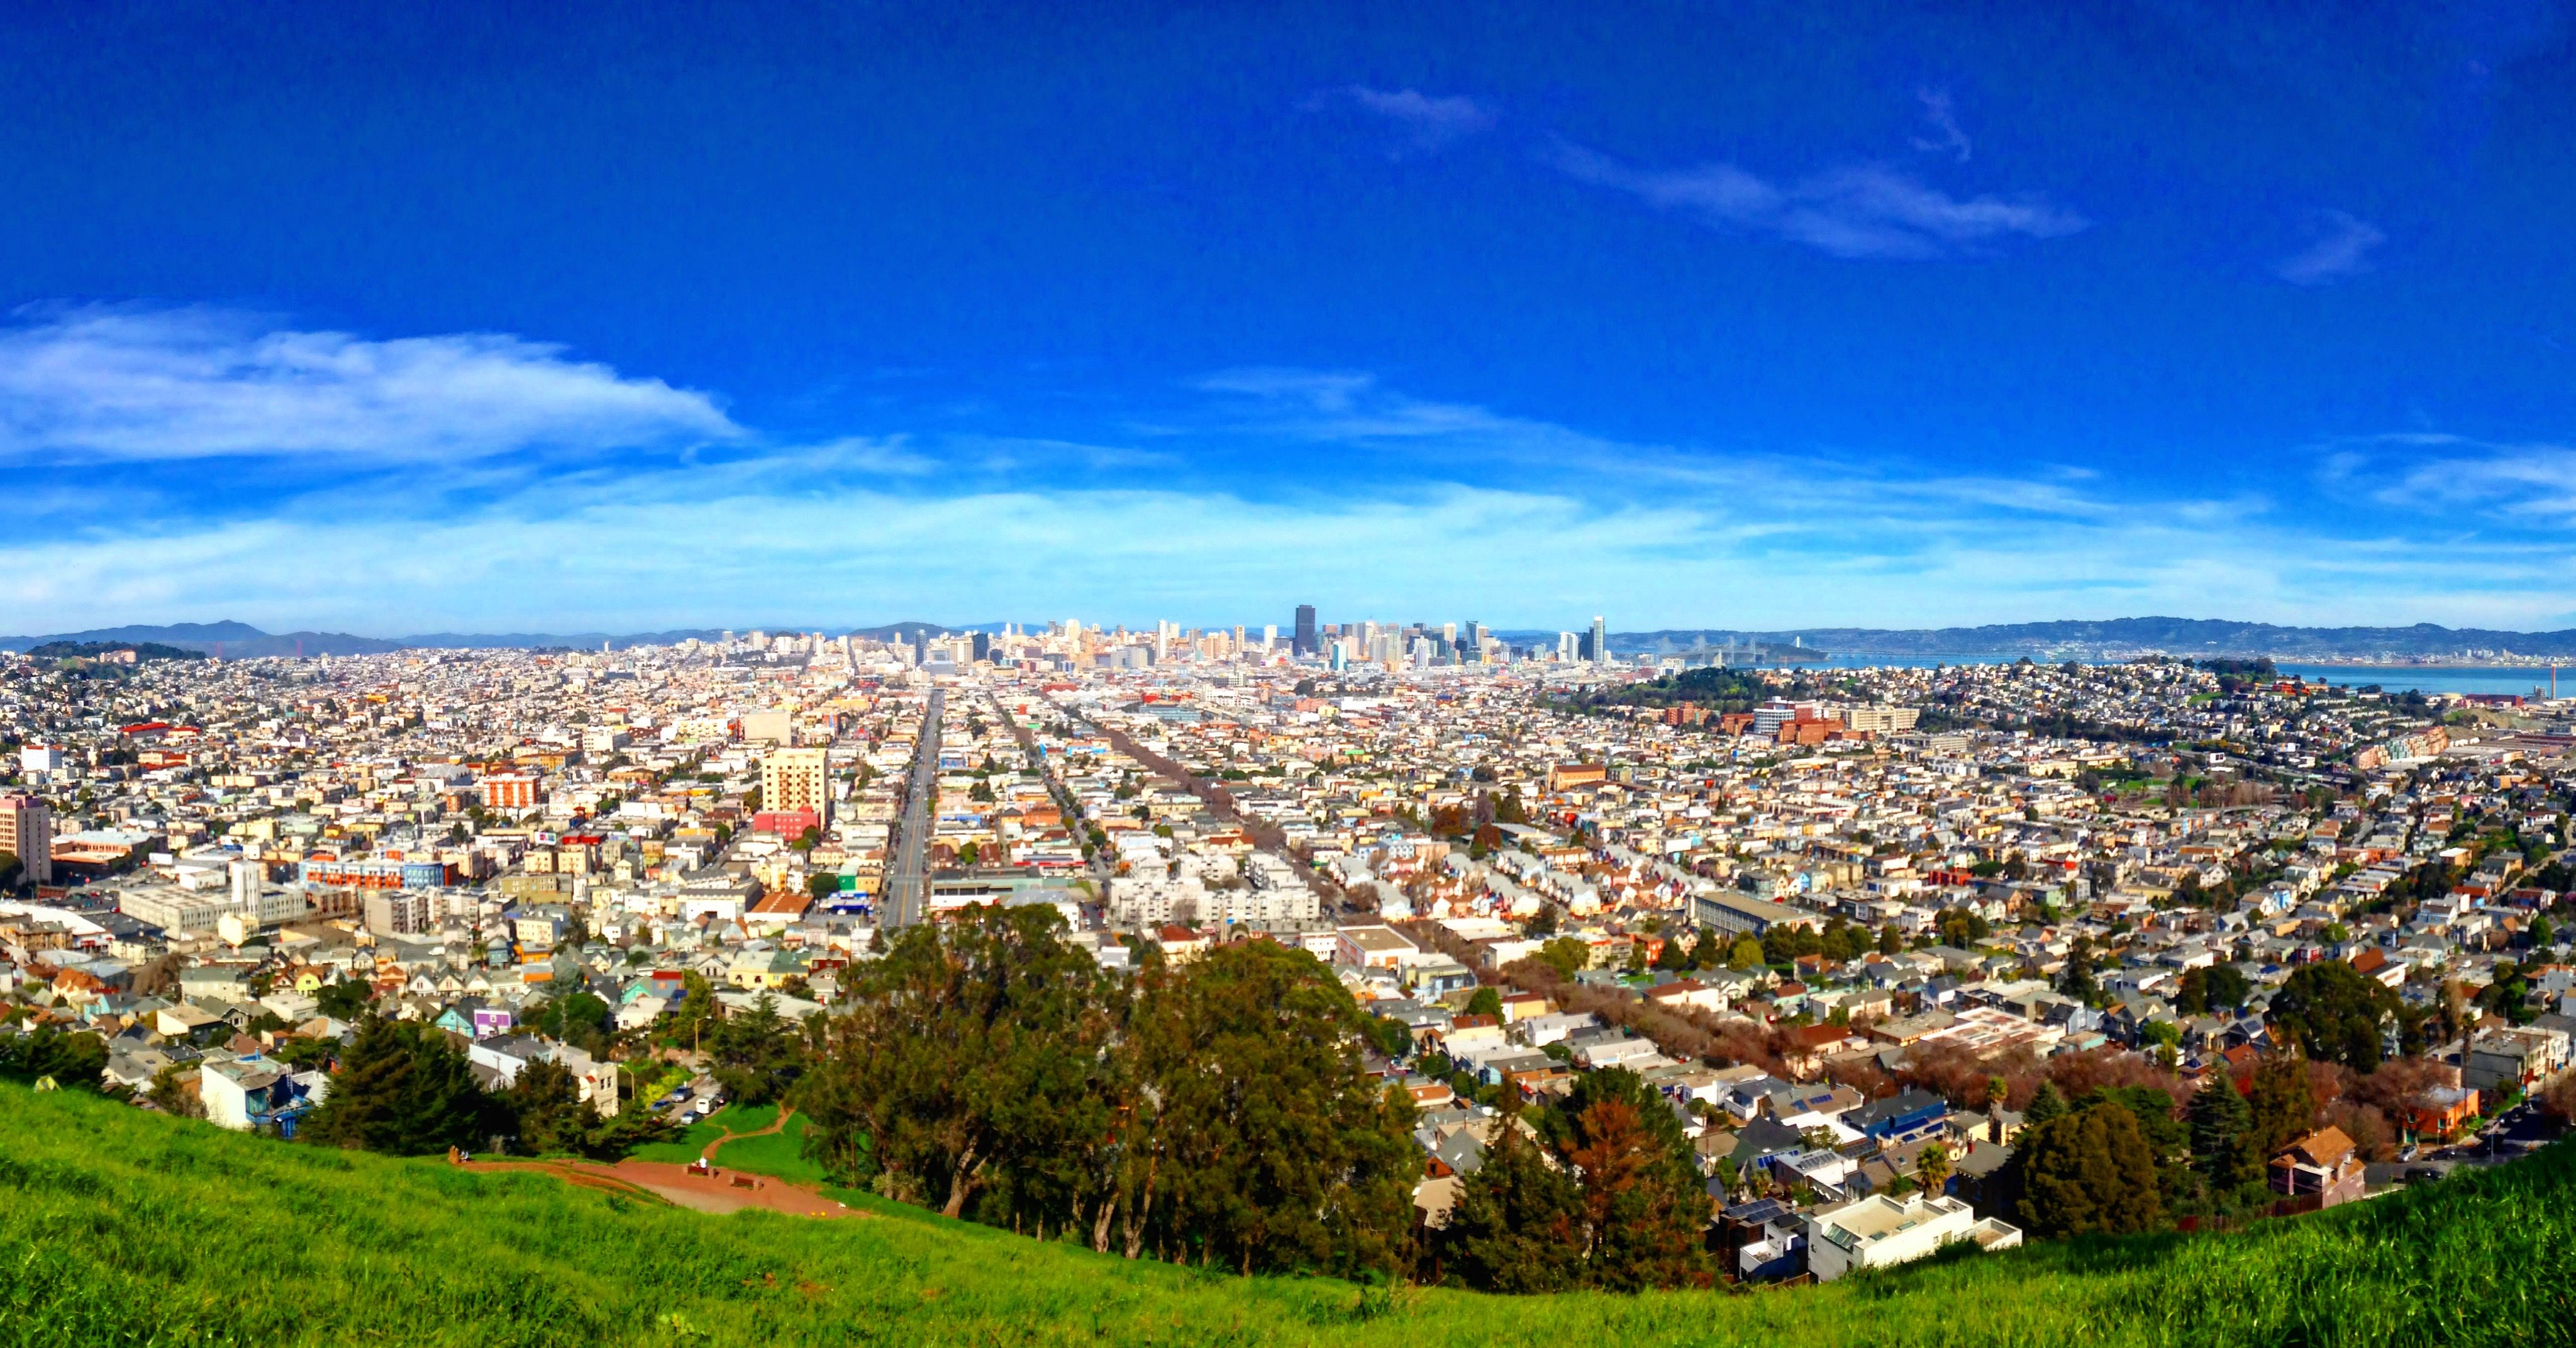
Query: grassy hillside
point(124, 1228)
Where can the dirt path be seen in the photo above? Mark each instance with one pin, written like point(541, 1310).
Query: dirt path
point(708, 1153)
point(716, 1191)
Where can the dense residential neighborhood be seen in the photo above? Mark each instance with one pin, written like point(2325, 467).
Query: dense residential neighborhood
point(1864, 961)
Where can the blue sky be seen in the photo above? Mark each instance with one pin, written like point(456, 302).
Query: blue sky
point(631, 315)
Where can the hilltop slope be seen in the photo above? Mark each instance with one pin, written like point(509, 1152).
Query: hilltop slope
point(124, 1227)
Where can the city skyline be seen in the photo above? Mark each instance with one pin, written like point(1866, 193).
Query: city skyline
point(1717, 319)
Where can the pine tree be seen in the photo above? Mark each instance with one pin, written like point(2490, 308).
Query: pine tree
point(552, 1116)
point(402, 1090)
point(2044, 1107)
point(2219, 1120)
point(1518, 1224)
point(2089, 1173)
point(2283, 1108)
point(1644, 1204)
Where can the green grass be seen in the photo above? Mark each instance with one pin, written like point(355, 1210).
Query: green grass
point(120, 1227)
point(685, 1145)
point(682, 1146)
point(780, 1154)
point(747, 1118)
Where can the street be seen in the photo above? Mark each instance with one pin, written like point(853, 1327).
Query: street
point(906, 876)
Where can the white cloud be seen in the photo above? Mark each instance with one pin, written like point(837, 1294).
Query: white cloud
point(1762, 544)
point(89, 385)
point(1949, 139)
point(1428, 123)
point(2342, 248)
point(1863, 211)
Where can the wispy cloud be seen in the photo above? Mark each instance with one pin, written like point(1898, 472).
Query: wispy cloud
point(2447, 473)
point(1862, 211)
point(1425, 122)
point(89, 385)
point(2341, 248)
point(1396, 505)
point(1947, 138)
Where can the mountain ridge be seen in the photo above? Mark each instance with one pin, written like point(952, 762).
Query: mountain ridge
point(240, 640)
point(2077, 638)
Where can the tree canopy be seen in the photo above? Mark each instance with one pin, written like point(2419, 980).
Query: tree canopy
point(2334, 1013)
point(402, 1089)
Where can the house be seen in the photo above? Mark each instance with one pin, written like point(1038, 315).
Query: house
point(1899, 1117)
point(1805, 1047)
point(2323, 1164)
point(1762, 1239)
point(1688, 992)
point(2501, 1062)
point(1877, 1231)
point(248, 1093)
point(1372, 947)
point(2442, 1111)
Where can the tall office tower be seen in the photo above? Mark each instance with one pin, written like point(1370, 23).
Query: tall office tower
point(1237, 652)
point(797, 779)
point(1565, 647)
point(1269, 638)
point(1306, 638)
point(983, 646)
point(27, 830)
point(1600, 641)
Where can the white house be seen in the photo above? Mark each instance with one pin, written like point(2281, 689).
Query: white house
point(1878, 1231)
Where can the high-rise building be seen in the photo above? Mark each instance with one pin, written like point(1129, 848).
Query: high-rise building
point(1600, 641)
point(1566, 647)
point(1269, 638)
point(27, 830)
point(797, 779)
point(983, 646)
point(1306, 642)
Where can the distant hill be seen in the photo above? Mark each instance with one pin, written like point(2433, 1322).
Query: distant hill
point(233, 640)
point(238, 640)
point(144, 651)
point(2124, 636)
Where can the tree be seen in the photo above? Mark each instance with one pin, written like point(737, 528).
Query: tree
point(2220, 987)
point(1932, 1168)
point(402, 1090)
point(344, 999)
point(822, 885)
point(1746, 956)
point(1643, 1202)
point(174, 1094)
point(698, 1011)
point(546, 1102)
point(578, 1018)
point(2283, 1107)
point(970, 1062)
point(9, 868)
point(1518, 1226)
point(2220, 1119)
point(2088, 1173)
point(71, 1059)
point(1566, 954)
point(1257, 1141)
point(2333, 1013)
point(2077, 980)
point(2045, 1106)
point(1485, 1002)
point(757, 1054)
